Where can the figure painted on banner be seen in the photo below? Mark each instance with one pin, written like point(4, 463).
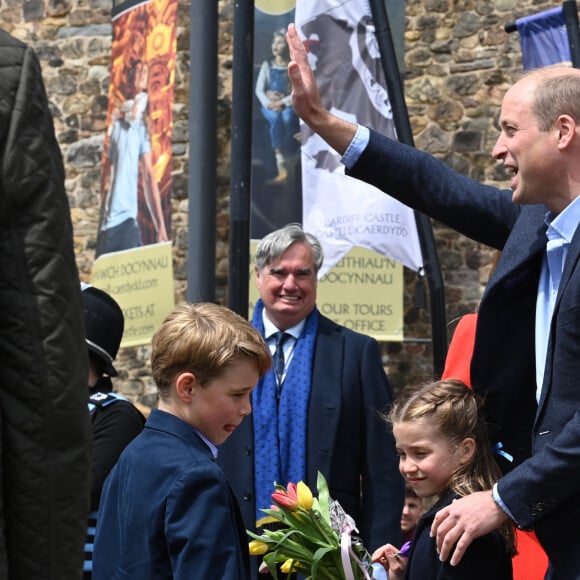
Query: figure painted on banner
point(44, 425)
point(273, 92)
point(115, 421)
point(134, 108)
point(166, 508)
point(321, 410)
point(444, 453)
point(526, 357)
point(276, 182)
point(128, 158)
point(346, 62)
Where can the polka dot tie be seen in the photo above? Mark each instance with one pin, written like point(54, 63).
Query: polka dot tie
point(281, 338)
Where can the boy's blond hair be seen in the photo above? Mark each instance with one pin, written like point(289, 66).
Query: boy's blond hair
point(204, 339)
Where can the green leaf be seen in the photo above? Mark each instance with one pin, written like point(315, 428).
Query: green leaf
point(278, 514)
point(317, 559)
point(270, 561)
point(323, 497)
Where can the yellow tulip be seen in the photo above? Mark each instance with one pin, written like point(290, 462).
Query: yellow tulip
point(257, 548)
point(289, 566)
point(305, 498)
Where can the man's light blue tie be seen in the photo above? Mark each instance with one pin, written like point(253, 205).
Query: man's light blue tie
point(555, 253)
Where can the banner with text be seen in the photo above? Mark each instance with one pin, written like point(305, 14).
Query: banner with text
point(133, 259)
point(141, 280)
point(341, 211)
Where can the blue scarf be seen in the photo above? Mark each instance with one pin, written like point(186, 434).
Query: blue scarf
point(280, 428)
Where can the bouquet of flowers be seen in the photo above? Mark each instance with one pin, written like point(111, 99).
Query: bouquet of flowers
point(316, 538)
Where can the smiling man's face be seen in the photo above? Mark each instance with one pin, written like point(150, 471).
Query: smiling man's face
point(288, 286)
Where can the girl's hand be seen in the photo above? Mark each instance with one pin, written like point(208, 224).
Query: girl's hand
point(388, 556)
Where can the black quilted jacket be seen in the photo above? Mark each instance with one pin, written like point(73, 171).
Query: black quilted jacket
point(44, 424)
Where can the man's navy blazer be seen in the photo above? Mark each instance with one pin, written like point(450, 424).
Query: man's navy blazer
point(347, 440)
point(542, 487)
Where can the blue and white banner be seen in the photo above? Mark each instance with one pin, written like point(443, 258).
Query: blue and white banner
point(341, 211)
point(544, 39)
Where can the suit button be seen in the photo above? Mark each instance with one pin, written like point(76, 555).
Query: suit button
point(247, 496)
point(537, 509)
point(248, 450)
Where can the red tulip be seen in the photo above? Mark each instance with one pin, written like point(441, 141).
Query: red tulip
point(287, 499)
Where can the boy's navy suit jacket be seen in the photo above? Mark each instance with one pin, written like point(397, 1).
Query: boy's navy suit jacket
point(168, 512)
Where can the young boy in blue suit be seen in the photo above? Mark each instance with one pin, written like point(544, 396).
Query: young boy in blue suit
point(166, 509)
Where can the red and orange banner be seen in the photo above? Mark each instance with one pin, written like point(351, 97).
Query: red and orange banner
point(133, 253)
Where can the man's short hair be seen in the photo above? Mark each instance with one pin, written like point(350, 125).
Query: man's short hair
point(204, 339)
point(273, 245)
point(410, 491)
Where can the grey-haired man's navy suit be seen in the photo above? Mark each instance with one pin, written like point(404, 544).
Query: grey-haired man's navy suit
point(346, 438)
point(542, 490)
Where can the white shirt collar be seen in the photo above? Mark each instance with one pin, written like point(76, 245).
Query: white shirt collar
point(270, 328)
point(212, 447)
point(565, 223)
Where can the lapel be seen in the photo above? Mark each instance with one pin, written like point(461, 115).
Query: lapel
point(570, 265)
point(242, 535)
point(504, 354)
point(527, 240)
point(325, 398)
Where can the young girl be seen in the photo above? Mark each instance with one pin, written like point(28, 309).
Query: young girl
point(444, 452)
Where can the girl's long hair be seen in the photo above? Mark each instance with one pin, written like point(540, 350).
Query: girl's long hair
point(456, 413)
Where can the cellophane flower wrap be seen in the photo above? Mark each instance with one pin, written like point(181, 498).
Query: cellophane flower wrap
point(316, 539)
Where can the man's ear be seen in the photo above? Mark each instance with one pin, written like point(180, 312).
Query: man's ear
point(566, 130)
point(467, 448)
point(185, 386)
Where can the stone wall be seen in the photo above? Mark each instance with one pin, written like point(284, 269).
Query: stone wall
point(458, 64)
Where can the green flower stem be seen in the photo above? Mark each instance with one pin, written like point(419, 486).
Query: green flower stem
point(294, 550)
point(324, 574)
point(331, 541)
